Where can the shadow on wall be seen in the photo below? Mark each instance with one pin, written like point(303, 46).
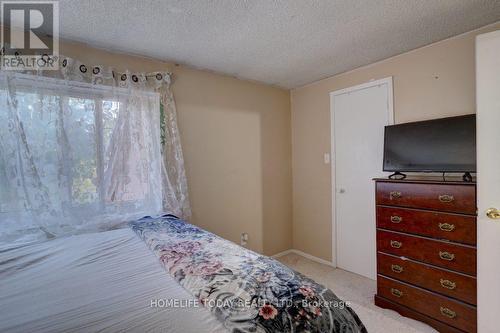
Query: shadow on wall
point(237, 149)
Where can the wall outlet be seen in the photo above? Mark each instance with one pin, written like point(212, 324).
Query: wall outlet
point(244, 239)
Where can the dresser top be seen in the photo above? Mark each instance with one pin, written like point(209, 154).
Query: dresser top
point(427, 180)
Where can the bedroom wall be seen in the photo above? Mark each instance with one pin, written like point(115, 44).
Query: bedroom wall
point(236, 137)
point(431, 82)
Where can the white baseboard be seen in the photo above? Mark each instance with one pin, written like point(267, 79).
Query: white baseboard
point(305, 255)
point(281, 254)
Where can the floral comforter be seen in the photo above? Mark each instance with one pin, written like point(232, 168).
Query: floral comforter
point(246, 291)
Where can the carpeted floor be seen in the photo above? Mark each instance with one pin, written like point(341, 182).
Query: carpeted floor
point(359, 291)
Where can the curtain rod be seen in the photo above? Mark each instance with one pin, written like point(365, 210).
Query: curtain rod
point(29, 78)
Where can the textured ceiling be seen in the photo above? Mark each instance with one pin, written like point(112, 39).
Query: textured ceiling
point(286, 43)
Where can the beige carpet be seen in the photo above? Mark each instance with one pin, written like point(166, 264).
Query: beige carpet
point(359, 291)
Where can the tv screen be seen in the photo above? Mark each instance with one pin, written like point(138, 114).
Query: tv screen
point(440, 145)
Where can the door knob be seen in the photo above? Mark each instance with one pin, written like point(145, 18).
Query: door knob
point(493, 213)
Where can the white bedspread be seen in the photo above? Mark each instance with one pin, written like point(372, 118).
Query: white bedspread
point(102, 282)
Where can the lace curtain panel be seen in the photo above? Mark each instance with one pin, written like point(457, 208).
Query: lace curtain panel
point(83, 152)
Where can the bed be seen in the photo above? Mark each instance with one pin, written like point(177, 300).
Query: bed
point(115, 281)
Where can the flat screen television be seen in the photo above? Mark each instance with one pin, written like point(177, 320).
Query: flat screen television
point(440, 145)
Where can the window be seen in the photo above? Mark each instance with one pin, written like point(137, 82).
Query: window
point(76, 155)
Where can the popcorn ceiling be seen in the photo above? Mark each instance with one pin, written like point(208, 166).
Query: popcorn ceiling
point(287, 43)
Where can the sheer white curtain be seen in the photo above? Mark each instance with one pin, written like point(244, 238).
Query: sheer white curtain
point(78, 155)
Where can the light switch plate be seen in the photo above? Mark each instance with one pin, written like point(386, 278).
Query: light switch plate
point(326, 158)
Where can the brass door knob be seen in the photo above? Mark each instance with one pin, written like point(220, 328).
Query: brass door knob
point(493, 213)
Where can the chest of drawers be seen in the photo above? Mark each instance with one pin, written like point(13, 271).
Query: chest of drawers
point(426, 251)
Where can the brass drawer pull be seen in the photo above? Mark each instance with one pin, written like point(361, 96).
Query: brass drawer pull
point(446, 227)
point(396, 219)
point(396, 268)
point(447, 312)
point(446, 255)
point(395, 195)
point(446, 198)
point(396, 292)
point(447, 284)
point(396, 244)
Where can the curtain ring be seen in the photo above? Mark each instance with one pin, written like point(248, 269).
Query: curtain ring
point(159, 76)
point(135, 78)
point(96, 70)
point(123, 77)
point(83, 69)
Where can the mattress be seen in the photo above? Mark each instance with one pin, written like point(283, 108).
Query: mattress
point(102, 282)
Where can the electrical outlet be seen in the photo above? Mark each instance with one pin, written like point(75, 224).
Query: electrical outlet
point(244, 239)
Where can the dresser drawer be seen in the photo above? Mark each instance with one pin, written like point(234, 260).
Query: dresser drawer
point(456, 257)
point(459, 286)
point(454, 313)
point(453, 227)
point(443, 197)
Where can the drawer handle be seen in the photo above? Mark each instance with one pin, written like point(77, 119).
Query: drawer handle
point(396, 219)
point(446, 198)
point(447, 284)
point(446, 255)
point(396, 244)
point(395, 195)
point(396, 292)
point(446, 227)
point(396, 268)
point(447, 312)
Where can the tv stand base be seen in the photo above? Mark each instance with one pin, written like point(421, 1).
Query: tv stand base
point(397, 176)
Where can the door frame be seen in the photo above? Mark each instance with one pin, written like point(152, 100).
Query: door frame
point(333, 160)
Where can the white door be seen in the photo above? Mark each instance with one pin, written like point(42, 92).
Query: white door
point(358, 115)
point(488, 179)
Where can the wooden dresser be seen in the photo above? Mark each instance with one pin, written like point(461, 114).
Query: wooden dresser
point(426, 251)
